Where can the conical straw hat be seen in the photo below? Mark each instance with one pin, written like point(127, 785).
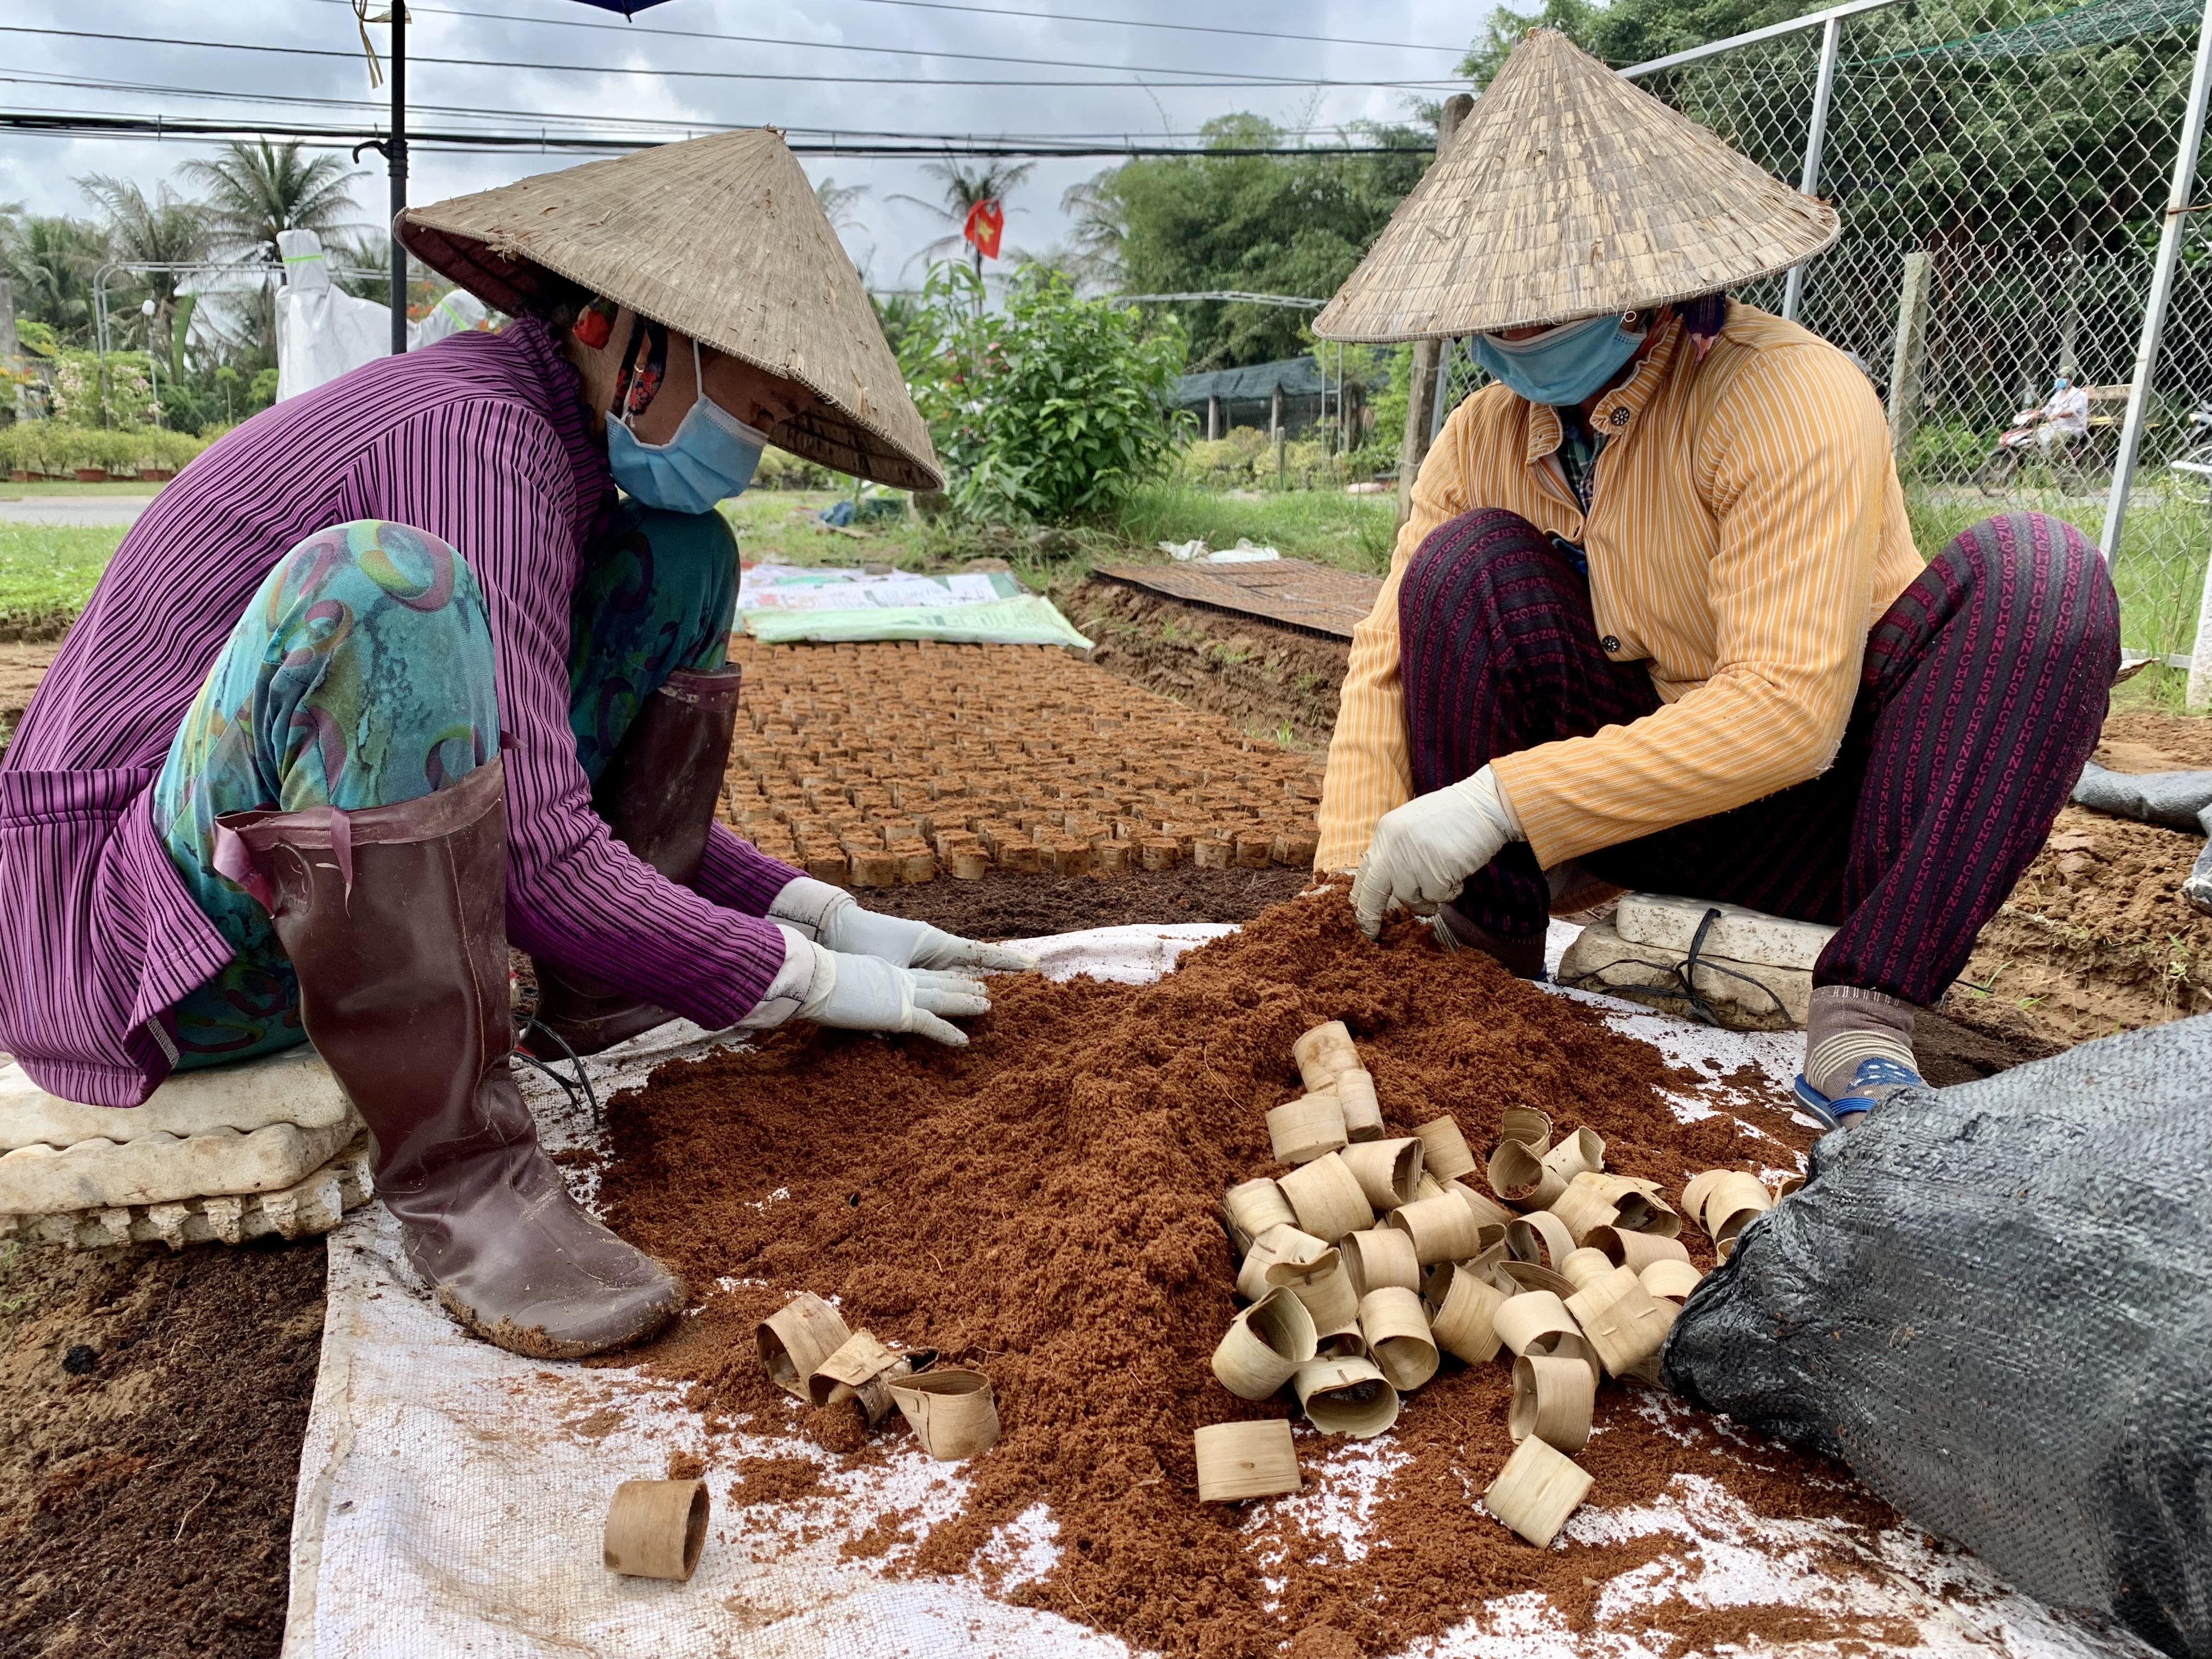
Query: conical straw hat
point(719, 237)
point(1568, 193)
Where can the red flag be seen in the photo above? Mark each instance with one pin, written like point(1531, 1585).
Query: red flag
point(985, 220)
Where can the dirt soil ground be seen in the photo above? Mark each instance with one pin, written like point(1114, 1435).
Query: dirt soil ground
point(22, 666)
point(151, 1411)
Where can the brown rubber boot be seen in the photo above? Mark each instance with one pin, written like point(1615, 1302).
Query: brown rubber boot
point(658, 795)
point(1524, 957)
point(394, 918)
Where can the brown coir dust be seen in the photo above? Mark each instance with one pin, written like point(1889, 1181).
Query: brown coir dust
point(1040, 1206)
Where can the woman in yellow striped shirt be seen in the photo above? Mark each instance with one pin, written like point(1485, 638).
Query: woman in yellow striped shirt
point(1656, 620)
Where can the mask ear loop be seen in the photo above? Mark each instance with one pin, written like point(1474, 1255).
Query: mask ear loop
point(615, 405)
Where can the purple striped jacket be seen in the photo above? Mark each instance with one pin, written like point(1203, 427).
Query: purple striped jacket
point(481, 439)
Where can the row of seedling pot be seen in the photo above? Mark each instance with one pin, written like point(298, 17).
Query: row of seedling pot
point(1372, 1261)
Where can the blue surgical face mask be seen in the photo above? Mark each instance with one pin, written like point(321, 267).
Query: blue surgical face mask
point(1562, 365)
point(710, 458)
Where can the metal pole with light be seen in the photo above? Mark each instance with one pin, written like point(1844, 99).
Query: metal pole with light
point(395, 154)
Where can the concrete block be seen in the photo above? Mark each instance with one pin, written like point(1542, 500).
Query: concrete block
point(1739, 935)
point(161, 1169)
point(306, 1207)
point(1600, 959)
point(294, 1087)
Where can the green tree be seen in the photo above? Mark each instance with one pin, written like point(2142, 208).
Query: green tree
point(256, 190)
point(52, 259)
point(836, 200)
point(1054, 410)
point(1271, 224)
point(165, 230)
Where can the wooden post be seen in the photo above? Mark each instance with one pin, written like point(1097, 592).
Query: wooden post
point(1911, 354)
point(1212, 417)
point(1275, 431)
point(1422, 387)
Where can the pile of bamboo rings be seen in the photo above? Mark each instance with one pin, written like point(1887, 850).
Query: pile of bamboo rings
point(810, 1354)
point(1372, 1261)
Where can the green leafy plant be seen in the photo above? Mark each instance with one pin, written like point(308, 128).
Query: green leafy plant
point(1053, 411)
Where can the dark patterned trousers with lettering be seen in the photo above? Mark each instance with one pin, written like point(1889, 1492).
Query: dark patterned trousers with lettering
point(1983, 691)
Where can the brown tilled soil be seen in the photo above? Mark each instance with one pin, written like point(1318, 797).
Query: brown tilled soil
point(1272, 681)
point(151, 1411)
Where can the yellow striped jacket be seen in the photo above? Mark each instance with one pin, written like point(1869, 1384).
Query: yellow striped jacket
point(1745, 530)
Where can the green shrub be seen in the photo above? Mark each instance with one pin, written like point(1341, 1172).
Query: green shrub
point(780, 469)
point(57, 449)
point(1054, 409)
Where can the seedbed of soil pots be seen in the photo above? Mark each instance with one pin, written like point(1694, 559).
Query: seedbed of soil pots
point(1041, 1205)
point(888, 765)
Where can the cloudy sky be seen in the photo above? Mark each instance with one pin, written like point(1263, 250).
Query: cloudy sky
point(855, 66)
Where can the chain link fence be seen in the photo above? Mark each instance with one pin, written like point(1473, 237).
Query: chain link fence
point(2003, 172)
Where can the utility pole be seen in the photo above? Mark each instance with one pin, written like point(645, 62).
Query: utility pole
point(395, 154)
point(1422, 388)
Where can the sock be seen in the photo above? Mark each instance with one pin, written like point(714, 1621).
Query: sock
point(1848, 1025)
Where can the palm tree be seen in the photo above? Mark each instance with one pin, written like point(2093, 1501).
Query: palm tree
point(167, 230)
point(255, 190)
point(836, 202)
point(963, 189)
point(53, 259)
point(1100, 228)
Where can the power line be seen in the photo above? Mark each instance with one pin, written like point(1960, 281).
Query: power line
point(1139, 23)
point(1246, 84)
point(629, 29)
point(646, 127)
point(163, 127)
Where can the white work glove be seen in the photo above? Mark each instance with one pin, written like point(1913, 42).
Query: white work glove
point(1422, 853)
point(832, 918)
point(863, 993)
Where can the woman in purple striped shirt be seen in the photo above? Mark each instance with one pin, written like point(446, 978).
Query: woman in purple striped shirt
point(390, 677)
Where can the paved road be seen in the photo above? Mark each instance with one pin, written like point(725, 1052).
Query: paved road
point(113, 511)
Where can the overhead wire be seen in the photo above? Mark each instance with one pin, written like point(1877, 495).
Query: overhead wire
point(633, 29)
point(1246, 82)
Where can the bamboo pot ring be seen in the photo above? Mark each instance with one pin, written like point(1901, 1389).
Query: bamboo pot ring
point(1553, 1399)
point(1527, 1276)
point(1397, 1333)
point(1323, 1052)
point(1516, 1173)
point(1441, 1229)
point(1255, 1206)
point(1326, 1198)
point(797, 1338)
point(1488, 1217)
point(1672, 1280)
point(1444, 1151)
point(1278, 1246)
point(1622, 1322)
point(1363, 1116)
point(1325, 1288)
point(1581, 1153)
point(1388, 1172)
point(1265, 1346)
point(1735, 1199)
point(951, 1413)
point(1536, 1491)
point(655, 1528)
point(1526, 1319)
point(1347, 1396)
point(1531, 1127)
point(1540, 1237)
point(1312, 1125)
point(1636, 1250)
point(1237, 1461)
point(1378, 1257)
point(1695, 1191)
point(1583, 1265)
point(1465, 1321)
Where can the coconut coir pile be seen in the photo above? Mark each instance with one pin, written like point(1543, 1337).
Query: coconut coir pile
point(1041, 1205)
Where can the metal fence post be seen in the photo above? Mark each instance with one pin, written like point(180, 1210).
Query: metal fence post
point(1424, 384)
point(1816, 134)
point(1909, 354)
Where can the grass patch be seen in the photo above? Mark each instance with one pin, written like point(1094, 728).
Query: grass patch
point(48, 571)
point(1328, 526)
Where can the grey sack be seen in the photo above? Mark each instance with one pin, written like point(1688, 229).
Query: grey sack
point(1995, 1302)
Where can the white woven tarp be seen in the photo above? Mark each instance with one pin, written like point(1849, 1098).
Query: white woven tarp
point(451, 1496)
